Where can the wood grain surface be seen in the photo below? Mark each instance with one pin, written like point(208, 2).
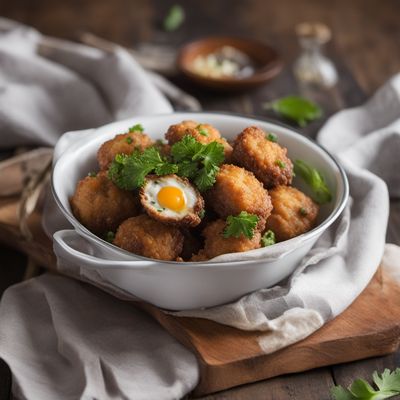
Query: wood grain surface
point(365, 47)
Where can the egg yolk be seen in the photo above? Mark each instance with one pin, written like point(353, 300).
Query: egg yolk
point(171, 197)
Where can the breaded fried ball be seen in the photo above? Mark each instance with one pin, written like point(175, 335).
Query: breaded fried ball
point(216, 244)
point(236, 190)
point(125, 143)
point(100, 205)
point(144, 236)
point(266, 159)
point(294, 213)
point(203, 133)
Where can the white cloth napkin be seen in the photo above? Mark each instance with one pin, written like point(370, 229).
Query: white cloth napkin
point(51, 308)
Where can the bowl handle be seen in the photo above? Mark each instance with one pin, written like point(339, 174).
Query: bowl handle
point(64, 250)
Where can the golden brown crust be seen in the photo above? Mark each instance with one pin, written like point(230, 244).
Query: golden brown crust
point(125, 143)
point(267, 160)
point(190, 219)
point(216, 244)
point(100, 205)
point(176, 132)
point(236, 190)
point(149, 238)
point(294, 213)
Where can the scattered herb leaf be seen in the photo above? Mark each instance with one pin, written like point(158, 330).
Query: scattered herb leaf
point(271, 137)
point(109, 236)
point(129, 140)
point(280, 164)
point(296, 108)
point(92, 174)
point(136, 128)
point(174, 18)
point(388, 385)
point(314, 179)
point(201, 130)
point(242, 224)
point(303, 211)
point(202, 213)
point(268, 239)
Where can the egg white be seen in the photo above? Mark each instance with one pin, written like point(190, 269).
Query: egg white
point(153, 186)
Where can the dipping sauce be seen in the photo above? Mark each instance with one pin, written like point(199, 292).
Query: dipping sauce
point(225, 62)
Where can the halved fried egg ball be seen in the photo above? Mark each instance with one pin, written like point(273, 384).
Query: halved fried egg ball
point(267, 160)
point(294, 213)
point(147, 237)
point(101, 206)
point(125, 143)
point(172, 200)
point(203, 133)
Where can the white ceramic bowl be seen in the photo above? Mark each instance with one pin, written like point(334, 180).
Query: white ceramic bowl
point(182, 286)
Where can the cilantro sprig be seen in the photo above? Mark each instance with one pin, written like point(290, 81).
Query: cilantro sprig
point(268, 239)
point(174, 18)
point(136, 128)
point(314, 179)
point(242, 224)
point(128, 171)
point(190, 158)
point(388, 384)
point(197, 161)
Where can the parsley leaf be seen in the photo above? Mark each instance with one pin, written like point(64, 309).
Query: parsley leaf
point(128, 171)
point(128, 140)
point(92, 174)
point(280, 164)
point(271, 137)
point(136, 128)
point(175, 18)
point(268, 239)
point(201, 130)
point(109, 236)
point(388, 386)
point(243, 224)
point(314, 179)
point(198, 162)
point(296, 108)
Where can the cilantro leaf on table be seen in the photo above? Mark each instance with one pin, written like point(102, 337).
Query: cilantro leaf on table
point(197, 161)
point(296, 108)
point(242, 224)
point(268, 238)
point(174, 18)
point(128, 171)
point(314, 179)
point(136, 128)
point(388, 386)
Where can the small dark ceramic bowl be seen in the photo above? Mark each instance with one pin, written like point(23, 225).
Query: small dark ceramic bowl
point(267, 62)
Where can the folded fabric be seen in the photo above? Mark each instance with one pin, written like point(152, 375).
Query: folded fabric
point(329, 278)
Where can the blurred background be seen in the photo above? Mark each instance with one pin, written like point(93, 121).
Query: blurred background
point(366, 33)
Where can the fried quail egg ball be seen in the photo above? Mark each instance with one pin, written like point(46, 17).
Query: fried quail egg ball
point(172, 200)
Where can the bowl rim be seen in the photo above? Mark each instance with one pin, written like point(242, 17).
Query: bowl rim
point(305, 236)
point(260, 75)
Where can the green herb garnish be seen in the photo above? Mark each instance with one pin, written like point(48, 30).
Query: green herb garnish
point(268, 239)
point(280, 164)
point(295, 108)
point(136, 128)
point(202, 213)
point(314, 179)
point(242, 224)
point(271, 137)
point(109, 236)
point(129, 140)
point(198, 162)
point(128, 171)
point(92, 174)
point(388, 385)
point(201, 130)
point(174, 18)
point(303, 211)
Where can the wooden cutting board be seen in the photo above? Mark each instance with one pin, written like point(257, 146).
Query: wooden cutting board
point(229, 357)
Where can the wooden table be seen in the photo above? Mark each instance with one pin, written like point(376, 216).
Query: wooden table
point(365, 47)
